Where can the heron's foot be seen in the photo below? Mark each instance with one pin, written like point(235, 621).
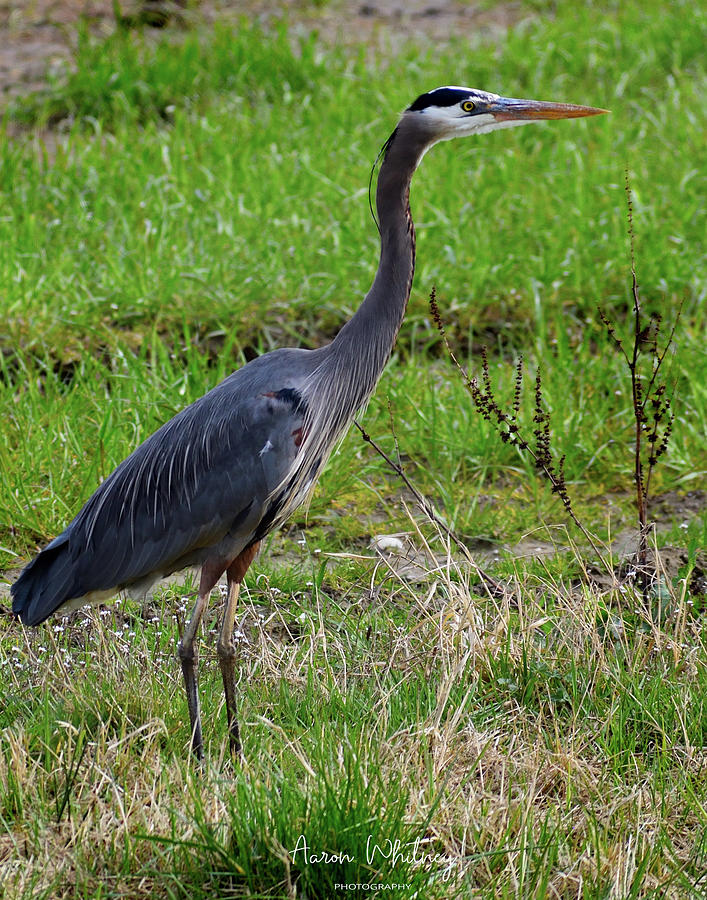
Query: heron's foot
point(188, 655)
point(227, 660)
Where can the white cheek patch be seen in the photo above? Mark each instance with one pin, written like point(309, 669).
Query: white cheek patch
point(483, 120)
point(463, 126)
point(495, 125)
point(441, 116)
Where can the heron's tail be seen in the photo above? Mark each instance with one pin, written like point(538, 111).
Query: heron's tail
point(45, 583)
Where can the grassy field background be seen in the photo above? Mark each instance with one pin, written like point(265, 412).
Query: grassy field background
point(179, 203)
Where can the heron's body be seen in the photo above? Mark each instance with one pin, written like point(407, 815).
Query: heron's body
point(208, 483)
point(187, 493)
point(212, 482)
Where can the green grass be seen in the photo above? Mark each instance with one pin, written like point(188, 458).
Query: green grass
point(130, 78)
point(203, 199)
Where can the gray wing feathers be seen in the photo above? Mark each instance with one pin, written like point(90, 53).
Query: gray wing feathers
point(201, 481)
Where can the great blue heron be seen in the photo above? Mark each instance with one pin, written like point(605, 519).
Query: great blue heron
point(211, 483)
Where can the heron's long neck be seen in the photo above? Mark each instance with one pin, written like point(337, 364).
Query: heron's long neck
point(366, 341)
point(347, 370)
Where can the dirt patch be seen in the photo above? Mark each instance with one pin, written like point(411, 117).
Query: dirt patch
point(36, 39)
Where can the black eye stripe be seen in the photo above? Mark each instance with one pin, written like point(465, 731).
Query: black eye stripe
point(439, 97)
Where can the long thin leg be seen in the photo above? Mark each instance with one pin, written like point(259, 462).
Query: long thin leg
point(226, 647)
point(189, 654)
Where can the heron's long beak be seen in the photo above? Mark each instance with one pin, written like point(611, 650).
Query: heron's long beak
point(507, 109)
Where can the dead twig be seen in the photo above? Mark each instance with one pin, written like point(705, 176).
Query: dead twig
point(494, 587)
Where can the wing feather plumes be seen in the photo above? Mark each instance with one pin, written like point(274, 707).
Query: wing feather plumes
point(200, 485)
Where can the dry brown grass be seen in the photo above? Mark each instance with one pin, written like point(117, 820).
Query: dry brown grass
point(526, 795)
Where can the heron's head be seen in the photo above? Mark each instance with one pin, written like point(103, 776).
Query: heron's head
point(449, 112)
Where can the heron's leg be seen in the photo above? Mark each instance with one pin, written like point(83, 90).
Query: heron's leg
point(226, 647)
point(189, 653)
point(227, 660)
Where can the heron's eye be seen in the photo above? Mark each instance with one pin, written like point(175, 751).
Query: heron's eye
point(468, 106)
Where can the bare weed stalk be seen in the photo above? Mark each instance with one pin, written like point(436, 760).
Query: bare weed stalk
point(651, 400)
